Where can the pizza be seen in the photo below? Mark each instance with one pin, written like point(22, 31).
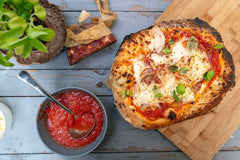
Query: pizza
point(170, 72)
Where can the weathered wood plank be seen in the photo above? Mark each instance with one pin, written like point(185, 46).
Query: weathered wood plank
point(126, 23)
point(53, 80)
point(116, 5)
point(222, 155)
point(102, 156)
point(121, 136)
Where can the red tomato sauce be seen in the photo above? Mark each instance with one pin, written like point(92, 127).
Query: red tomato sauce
point(59, 121)
point(156, 113)
point(213, 56)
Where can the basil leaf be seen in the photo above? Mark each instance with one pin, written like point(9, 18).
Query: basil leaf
point(183, 71)
point(180, 89)
point(9, 54)
point(209, 75)
point(35, 34)
point(159, 95)
point(33, 1)
point(40, 11)
point(131, 94)
point(171, 41)
point(127, 92)
point(9, 36)
point(148, 76)
point(18, 50)
point(192, 43)
point(27, 6)
point(166, 51)
point(17, 2)
point(9, 13)
point(123, 95)
point(49, 36)
point(219, 46)
point(155, 89)
point(175, 96)
point(19, 42)
point(27, 49)
point(17, 22)
point(38, 45)
point(26, 15)
point(173, 68)
point(5, 62)
point(2, 4)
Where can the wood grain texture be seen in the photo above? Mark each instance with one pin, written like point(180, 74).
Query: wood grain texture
point(121, 137)
point(126, 23)
point(224, 155)
point(119, 5)
point(122, 140)
point(201, 137)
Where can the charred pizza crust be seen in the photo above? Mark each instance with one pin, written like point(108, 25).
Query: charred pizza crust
point(208, 100)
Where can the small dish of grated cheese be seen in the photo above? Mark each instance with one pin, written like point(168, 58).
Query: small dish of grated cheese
point(6, 119)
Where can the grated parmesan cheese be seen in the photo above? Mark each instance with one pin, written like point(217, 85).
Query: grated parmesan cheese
point(2, 124)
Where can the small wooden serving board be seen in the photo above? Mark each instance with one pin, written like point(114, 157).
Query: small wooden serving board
point(200, 138)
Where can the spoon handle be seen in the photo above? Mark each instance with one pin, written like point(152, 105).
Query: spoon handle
point(27, 78)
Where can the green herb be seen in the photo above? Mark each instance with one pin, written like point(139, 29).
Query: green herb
point(183, 71)
point(175, 96)
point(148, 76)
point(209, 75)
point(171, 41)
point(131, 94)
point(219, 46)
point(127, 92)
point(18, 32)
point(166, 51)
point(173, 68)
point(123, 95)
point(192, 43)
point(155, 89)
point(180, 89)
point(159, 95)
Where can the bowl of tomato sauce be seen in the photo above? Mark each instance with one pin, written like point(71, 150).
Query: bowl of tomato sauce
point(53, 123)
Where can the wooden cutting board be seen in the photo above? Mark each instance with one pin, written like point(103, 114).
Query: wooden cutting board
point(200, 138)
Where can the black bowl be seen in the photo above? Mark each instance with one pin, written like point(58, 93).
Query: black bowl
point(60, 149)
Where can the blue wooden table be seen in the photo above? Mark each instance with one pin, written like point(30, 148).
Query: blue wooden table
point(122, 141)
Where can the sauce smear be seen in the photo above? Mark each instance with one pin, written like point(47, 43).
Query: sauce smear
point(59, 121)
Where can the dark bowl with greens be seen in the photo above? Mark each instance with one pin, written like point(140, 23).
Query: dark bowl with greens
point(31, 31)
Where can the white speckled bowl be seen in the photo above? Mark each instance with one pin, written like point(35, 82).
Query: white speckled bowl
point(63, 150)
point(7, 113)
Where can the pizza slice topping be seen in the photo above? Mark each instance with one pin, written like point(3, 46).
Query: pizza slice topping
point(169, 71)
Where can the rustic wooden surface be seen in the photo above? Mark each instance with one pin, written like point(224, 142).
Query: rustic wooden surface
point(122, 140)
point(200, 138)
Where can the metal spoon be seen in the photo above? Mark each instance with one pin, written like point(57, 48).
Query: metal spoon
point(75, 133)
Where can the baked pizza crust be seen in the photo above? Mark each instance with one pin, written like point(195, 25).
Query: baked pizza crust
point(208, 101)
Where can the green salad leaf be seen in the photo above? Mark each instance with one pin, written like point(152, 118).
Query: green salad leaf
point(40, 11)
point(19, 33)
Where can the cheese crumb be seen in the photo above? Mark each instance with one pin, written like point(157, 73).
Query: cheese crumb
point(2, 124)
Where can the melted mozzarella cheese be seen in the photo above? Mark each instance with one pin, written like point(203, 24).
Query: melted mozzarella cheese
point(197, 68)
point(169, 86)
point(143, 94)
point(178, 51)
point(158, 41)
point(197, 65)
point(187, 96)
point(138, 67)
